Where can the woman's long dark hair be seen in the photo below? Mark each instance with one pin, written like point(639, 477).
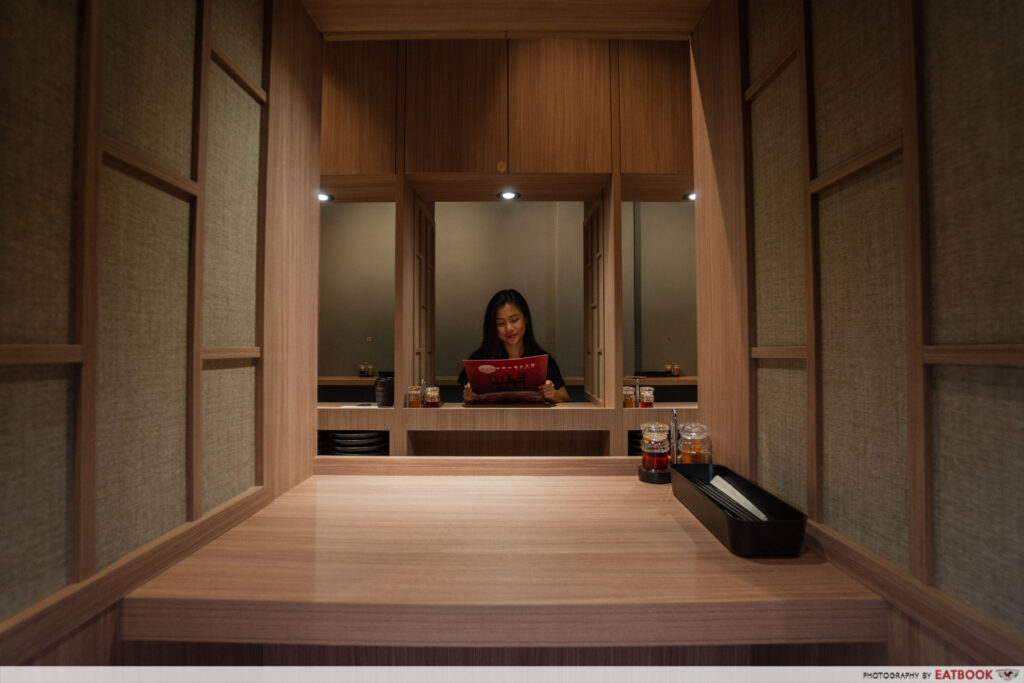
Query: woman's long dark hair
point(492, 346)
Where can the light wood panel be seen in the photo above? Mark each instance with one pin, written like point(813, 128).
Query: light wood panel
point(541, 561)
point(37, 628)
point(344, 19)
point(229, 352)
point(292, 244)
point(95, 643)
point(462, 466)
point(559, 118)
point(911, 644)
point(858, 163)
point(719, 215)
point(761, 81)
point(342, 416)
point(681, 381)
point(654, 103)
point(562, 416)
point(360, 108)
point(661, 187)
point(922, 538)
point(979, 354)
point(34, 354)
point(632, 418)
point(360, 188)
point(238, 75)
point(540, 187)
point(778, 352)
point(967, 630)
point(87, 174)
point(197, 269)
point(457, 106)
point(132, 162)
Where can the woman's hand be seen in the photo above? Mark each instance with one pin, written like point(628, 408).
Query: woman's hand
point(548, 391)
point(468, 395)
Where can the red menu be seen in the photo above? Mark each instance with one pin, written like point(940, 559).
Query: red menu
point(507, 380)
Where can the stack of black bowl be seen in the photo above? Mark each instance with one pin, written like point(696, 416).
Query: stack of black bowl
point(357, 443)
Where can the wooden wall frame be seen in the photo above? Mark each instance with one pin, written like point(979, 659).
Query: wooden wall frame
point(90, 592)
point(913, 592)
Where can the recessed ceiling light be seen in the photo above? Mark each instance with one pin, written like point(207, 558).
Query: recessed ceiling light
point(324, 197)
point(692, 196)
point(508, 194)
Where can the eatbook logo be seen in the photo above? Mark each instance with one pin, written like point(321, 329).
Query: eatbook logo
point(1008, 674)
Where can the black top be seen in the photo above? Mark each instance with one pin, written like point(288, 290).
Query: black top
point(554, 374)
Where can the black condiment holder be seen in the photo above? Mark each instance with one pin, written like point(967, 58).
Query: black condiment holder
point(780, 535)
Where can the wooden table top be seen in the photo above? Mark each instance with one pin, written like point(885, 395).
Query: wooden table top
point(492, 561)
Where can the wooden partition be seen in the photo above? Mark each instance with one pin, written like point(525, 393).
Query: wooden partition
point(850, 121)
point(173, 439)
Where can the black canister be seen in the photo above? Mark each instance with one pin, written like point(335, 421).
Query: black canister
point(384, 391)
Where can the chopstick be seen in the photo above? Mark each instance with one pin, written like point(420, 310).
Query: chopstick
point(725, 502)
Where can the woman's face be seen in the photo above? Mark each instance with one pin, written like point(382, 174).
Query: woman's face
point(511, 324)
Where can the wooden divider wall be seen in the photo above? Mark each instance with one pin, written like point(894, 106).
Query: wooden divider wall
point(885, 405)
point(154, 126)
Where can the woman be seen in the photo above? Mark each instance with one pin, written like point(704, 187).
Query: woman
point(508, 333)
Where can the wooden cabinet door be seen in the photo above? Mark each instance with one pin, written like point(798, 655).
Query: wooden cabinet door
point(359, 108)
point(654, 106)
point(559, 106)
point(456, 106)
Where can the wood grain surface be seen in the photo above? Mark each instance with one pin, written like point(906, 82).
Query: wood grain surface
point(360, 108)
point(292, 240)
point(559, 101)
point(492, 561)
point(348, 19)
point(721, 240)
point(457, 106)
point(655, 106)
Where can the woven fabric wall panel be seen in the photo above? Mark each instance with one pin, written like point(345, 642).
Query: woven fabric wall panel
point(236, 26)
point(36, 450)
point(856, 77)
point(782, 429)
point(974, 96)
point(771, 31)
point(142, 333)
point(148, 58)
point(863, 360)
point(38, 43)
point(229, 433)
point(776, 139)
point(232, 214)
point(978, 429)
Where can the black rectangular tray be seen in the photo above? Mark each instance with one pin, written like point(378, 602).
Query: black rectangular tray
point(781, 535)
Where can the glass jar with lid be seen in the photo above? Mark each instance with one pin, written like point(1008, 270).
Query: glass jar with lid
point(655, 453)
point(694, 444)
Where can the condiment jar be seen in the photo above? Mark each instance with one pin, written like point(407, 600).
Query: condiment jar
point(646, 397)
point(694, 444)
point(628, 397)
point(654, 457)
point(432, 398)
point(413, 397)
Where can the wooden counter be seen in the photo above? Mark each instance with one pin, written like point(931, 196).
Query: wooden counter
point(492, 561)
